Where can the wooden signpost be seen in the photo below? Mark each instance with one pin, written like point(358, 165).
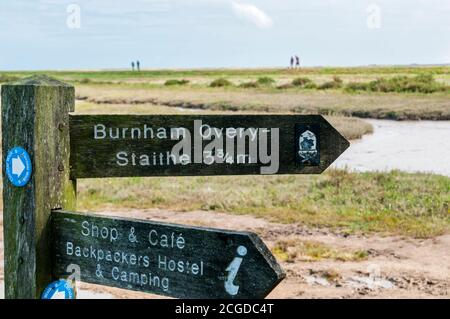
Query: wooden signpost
point(45, 150)
point(172, 260)
point(35, 116)
point(141, 145)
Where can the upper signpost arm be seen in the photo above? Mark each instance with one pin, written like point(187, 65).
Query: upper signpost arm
point(35, 117)
point(149, 145)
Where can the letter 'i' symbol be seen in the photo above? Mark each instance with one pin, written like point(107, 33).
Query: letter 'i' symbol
point(232, 270)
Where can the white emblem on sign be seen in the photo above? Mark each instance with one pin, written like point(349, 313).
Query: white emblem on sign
point(233, 269)
point(307, 146)
point(60, 289)
point(59, 295)
point(17, 166)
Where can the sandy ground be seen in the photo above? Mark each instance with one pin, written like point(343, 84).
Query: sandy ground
point(396, 267)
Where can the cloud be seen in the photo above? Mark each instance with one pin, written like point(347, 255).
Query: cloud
point(253, 14)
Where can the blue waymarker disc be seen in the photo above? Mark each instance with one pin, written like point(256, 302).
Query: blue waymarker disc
point(18, 166)
point(60, 289)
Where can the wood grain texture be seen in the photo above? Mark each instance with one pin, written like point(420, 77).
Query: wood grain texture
point(32, 111)
point(200, 261)
point(98, 157)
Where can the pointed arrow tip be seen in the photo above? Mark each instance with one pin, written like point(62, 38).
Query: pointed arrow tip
point(276, 274)
point(334, 144)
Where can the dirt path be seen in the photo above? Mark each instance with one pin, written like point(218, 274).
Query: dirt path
point(394, 268)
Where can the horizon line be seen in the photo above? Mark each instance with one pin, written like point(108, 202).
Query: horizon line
point(233, 68)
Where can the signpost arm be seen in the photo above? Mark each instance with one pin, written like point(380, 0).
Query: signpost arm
point(35, 116)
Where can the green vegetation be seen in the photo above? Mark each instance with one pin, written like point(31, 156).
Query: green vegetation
point(220, 83)
point(335, 84)
point(176, 82)
point(285, 86)
point(301, 81)
point(270, 72)
point(261, 82)
point(265, 80)
point(423, 83)
point(357, 86)
point(392, 203)
point(396, 106)
point(365, 79)
point(290, 250)
point(249, 85)
point(8, 78)
point(85, 81)
point(310, 85)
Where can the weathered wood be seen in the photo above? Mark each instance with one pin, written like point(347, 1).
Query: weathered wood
point(97, 153)
point(35, 116)
point(165, 259)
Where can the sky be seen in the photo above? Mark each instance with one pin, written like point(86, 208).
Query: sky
point(109, 34)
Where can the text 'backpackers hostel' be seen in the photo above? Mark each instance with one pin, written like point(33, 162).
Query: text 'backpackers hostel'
point(206, 144)
point(129, 267)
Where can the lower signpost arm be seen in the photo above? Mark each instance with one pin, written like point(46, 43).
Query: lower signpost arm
point(165, 259)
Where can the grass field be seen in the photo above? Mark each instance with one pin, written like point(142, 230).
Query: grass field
point(372, 92)
point(374, 71)
point(414, 205)
point(293, 250)
point(398, 106)
point(393, 203)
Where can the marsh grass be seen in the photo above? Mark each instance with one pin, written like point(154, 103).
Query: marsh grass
point(125, 75)
point(398, 93)
point(422, 83)
point(285, 86)
point(265, 81)
point(292, 250)
point(301, 81)
point(8, 78)
point(249, 85)
point(218, 83)
point(350, 127)
point(414, 205)
point(398, 106)
point(176, 82)
point(336, 83)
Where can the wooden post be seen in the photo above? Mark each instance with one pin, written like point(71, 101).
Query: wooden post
point(35, 116)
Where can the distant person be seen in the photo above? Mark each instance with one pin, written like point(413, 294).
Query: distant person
point(138, 65)
point(292, 62)
point(297, 62)
point(132, 65)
